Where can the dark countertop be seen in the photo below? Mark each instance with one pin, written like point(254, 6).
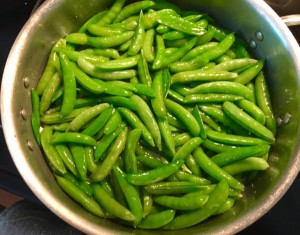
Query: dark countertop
point(281, 219)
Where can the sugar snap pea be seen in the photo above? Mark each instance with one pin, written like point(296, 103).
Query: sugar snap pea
point(215, 201)
point(248, 122)
point(35, 117)
point(73, 137)
point(157, 220)
point(84, 200)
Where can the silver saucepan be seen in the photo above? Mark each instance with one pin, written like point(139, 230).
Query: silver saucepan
point(253, 20)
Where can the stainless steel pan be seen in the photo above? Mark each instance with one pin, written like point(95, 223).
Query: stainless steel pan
point(254, 20)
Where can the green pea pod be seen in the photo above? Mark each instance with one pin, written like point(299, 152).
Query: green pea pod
point(253, 110)
point(154, 175)
point(111, 158)
point(239, 153)
point(92, 70)
point(53, 158)
point(184, 116)
point(129, 152)
point(250, 73)
point(193, 166)
point(35, 117)
point(147, 50)
point(143, 71)
point(131, 194)
point(79, 160)
point(79, 196)
point(188, 147)
point(198, 50)
point(148, 119)
point(180, 52)
point(220, 116)
point(166, 134)
point(150, 161)
point(181, 203)
point(147, 203)
point(182, 138)
point(112, 206)
point(157, 220)
point(179, 187)
point(69, 84)
point(87, 115)
point(97, 124)
point(132, 9)
point(138, 38)
point(184, 176)
point(113, 122)
point(264, 102)
point(73, 137)
point(89, 156)
point(56, 118)
point(118, 64)
point(223, 87)
point(200, 75)
point(88, 83)
point(196, 113)
point(215, 201)
point(112, 13)
point(214, 170)
point(119, 101)
point(135, 122)
point(232, 139)
point(178, 23)
point(234, 64)
point(217, 147)
point(248, 122)
point(157, 103)
point(49, 92)
point(67, 157)
point(160, 52)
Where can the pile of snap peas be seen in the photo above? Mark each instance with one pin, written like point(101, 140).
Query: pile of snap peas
point(153, 116)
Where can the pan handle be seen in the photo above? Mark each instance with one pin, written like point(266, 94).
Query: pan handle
point(291, 20)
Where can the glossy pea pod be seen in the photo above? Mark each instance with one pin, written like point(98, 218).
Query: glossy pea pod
point(214, 170)
point(248, 122)
point(35, 117)
point(130, 160)
point(112, 206)
point(187, 148)
point(154, 175)
point(79, 196)
point(111, 157)
point(157, 220)
point(215, 201)
point(69, 84)
point(148, 119)
point(79, 158)
point(52, 156)
point(131, 194)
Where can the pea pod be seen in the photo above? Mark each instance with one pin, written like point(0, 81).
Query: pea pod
point(264, 102)
point(180, 203)
point(112, 206)
point(138, 37)
point(79, 160)
point(129, 152)
point(131, 194)
point(157, 103)
point(67, 157)
point(111, 157)
point(155, 175)
point(69, 83)
point(239, 153)
point(215, 201)
point(71, 137)
point(85, 201)
point(174, 187)
point(248, 122)
point(157, 220)
point(148, 119)
point(214, 170)
point(86, 116)
point(188, 147)
point(35, 117)
point(134, 121)
point(52, 156)
point(184, 116)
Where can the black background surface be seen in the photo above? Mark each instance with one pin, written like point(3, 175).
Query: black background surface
point(284, 218)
